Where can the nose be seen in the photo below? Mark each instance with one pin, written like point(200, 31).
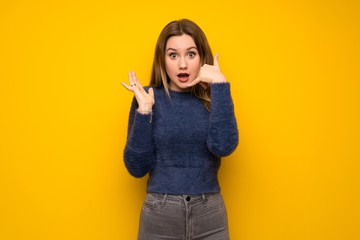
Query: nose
point(182, 63)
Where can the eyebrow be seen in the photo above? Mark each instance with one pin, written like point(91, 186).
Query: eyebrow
point(173, 49)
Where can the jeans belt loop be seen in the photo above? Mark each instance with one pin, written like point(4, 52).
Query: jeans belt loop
point(164, 199)
point(204, 198)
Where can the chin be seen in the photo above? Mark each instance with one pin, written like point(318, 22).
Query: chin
point(180, 87)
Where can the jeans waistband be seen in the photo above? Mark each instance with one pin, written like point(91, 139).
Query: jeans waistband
point(182, 199)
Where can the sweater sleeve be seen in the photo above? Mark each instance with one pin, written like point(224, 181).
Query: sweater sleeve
point(223, 133)
point(139, 152)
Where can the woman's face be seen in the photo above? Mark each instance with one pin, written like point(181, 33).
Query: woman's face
point(182, 61)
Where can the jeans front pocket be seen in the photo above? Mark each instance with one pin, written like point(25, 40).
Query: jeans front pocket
point(161, 219)
point(152, 202)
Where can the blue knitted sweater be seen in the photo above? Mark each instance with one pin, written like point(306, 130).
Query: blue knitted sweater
point(181, 144)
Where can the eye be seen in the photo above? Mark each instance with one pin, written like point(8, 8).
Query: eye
point(172, 55)
point(191, 54)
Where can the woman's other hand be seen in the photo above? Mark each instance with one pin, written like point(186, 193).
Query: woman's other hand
point(145, 100)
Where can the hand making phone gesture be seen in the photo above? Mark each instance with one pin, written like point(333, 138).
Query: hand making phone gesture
point(144, 99)
point(209, 74)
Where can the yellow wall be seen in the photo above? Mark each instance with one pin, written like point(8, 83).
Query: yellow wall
point(294, 71)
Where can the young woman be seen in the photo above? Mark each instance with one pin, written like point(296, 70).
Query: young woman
point(179, 128)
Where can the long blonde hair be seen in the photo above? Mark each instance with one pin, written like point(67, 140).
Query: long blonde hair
point(159, 76)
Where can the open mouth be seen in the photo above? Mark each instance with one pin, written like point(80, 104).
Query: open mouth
point(183, 77)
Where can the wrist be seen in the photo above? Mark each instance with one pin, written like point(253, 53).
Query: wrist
point(145, 108)
point(220, 79)
point(144, 111)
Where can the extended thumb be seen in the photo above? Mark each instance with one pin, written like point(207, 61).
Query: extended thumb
point(216, 60)
point(151, 91)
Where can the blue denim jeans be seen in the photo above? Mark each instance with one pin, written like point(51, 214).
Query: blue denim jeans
point(183, 217)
